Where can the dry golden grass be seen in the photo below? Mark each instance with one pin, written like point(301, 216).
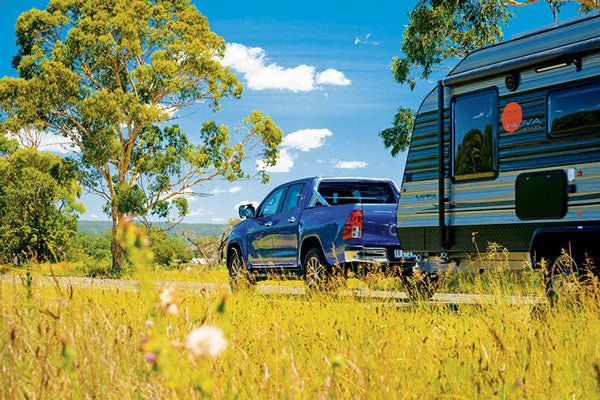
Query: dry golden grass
point(61, 342)
point(73, 342)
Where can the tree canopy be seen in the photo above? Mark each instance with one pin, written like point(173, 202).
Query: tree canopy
point(38, 205)
point(397, 138)
point(110, 75)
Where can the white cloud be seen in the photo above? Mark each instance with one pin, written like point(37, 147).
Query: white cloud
point(366, 40)
point(332, 77)
point(199, 212)
point(306, 139)
point(94, 216)
point(57, 144)
point(303, 140)
point(188, 194)
point(252, 62)
point(235, 189)
point(167, 109)
point(284, 163)
point(43, 141)
point(244, 202)
point(350, 164)
point(217, 219)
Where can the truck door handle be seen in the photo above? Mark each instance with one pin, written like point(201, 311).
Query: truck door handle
point(292, 219)
point(269, 223)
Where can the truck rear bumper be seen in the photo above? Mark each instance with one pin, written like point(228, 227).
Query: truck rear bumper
point(366, 254)
point(375, 254)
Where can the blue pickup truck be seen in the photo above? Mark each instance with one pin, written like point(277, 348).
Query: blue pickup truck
point(305, 227)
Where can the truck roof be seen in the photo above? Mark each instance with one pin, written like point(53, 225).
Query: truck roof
point(352, 178)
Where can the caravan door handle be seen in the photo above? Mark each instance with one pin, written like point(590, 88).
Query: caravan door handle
point(292, 220)
point(270, 223)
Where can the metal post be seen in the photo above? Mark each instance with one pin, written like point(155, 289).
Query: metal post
point(441, 168)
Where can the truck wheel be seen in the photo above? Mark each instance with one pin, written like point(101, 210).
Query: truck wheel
point(422, 286)
point(316, 273)
point(563, 278)
point(239, 277)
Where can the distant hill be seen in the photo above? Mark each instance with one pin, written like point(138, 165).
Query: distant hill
point(99, 227)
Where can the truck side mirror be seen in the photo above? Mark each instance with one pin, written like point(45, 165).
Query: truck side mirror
point(246, 211)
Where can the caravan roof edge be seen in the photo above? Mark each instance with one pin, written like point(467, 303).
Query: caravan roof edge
point(522, 62)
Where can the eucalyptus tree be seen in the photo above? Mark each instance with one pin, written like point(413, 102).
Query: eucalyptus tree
point(110, 75)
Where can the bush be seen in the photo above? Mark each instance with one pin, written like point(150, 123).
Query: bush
point(169, 251)
point(38, 205)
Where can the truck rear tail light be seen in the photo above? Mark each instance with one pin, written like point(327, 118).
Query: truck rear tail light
point(353, 228)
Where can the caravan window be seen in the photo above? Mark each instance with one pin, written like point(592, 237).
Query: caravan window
point(574, 110)
point(474, 126)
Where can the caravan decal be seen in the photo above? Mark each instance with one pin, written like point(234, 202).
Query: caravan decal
point(512, 117)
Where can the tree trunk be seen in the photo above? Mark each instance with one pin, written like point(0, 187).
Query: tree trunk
point(117, 251)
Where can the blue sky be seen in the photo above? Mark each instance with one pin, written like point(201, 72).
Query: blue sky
point(320, 69)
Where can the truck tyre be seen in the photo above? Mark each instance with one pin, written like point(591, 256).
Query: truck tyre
point(239, 277)
point(421, 287)
point(316, 272)
point(562, 278)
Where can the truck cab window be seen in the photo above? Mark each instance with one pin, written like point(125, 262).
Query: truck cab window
point(271, 204)
point(292, 198)
point(345, 192)
point(574, 110)
point(474, 127)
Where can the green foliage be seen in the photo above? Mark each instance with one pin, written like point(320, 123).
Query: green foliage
point(38, 205)
point(85, 245)
point(100, 227)
point(474, 153)
point(439, 30)
point(94, 249)
point(108, 75)
point(167, 249)
point(397, 138)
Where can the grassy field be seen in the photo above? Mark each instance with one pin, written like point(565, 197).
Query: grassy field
point(64, 342)
point(118, 343)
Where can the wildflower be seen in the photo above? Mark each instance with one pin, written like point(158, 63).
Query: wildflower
point(172, 309)
point(188, 269)
point(151, 357)
point(149, 324)
point(167, 301)
point(520, 383)
point(206, 341)
point(166, 297)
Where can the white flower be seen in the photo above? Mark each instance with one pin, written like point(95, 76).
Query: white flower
point(206, 341)
point(167, 301)
point(166, 297)
point(172, 309)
